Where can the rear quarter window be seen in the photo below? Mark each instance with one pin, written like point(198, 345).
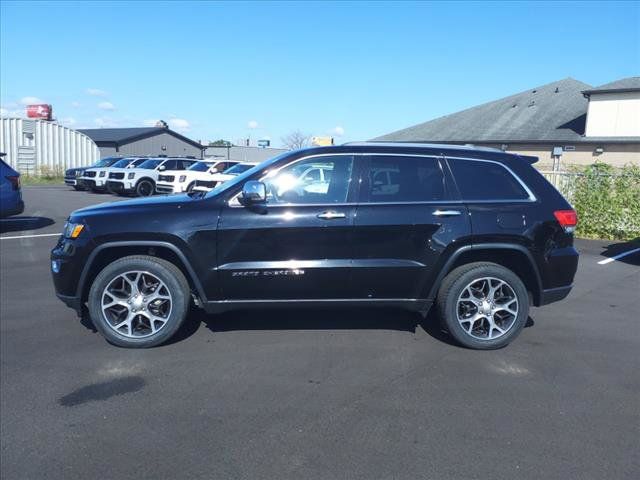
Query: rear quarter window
point(478, 180)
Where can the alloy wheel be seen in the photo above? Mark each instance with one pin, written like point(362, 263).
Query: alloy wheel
point(136, 304)
point(487, 308)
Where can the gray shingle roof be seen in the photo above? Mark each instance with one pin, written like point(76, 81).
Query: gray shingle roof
point(629, 84)
point(553, 112)
point(126, 135)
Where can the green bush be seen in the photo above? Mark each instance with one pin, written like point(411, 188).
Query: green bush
point(607, 200)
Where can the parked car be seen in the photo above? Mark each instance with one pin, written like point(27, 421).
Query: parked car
point(11, 202)
point(205, 185)
point(141, 180)
point(94, 178)
point(180, 181)
point(476, 232)
point(72, 176)
point(119, 169)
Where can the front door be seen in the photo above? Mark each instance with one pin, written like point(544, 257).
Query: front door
point(299, 244)
point(407, 216)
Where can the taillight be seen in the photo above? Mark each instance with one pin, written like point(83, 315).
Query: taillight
point(568, 219)
point(15, 181)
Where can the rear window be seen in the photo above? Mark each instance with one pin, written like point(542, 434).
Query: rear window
point(479, 180)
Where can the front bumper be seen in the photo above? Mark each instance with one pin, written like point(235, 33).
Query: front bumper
point(71, 181)
point(119, 186)
point(93, 183)
point(168, 188)
point(68, 259)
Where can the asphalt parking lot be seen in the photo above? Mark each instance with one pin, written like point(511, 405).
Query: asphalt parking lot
point(314, 394)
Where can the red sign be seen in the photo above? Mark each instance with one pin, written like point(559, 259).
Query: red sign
point(42, 111)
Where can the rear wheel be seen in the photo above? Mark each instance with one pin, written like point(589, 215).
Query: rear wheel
point(483, 305)
point(145, 188)
point(139, 301)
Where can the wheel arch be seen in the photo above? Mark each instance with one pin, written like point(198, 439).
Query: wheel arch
point(512, 256)
point(108, 252)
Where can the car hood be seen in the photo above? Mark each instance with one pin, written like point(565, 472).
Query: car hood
point(133, 206)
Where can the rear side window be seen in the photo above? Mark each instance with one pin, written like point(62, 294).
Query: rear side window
point(404, 179)
point(486, 181)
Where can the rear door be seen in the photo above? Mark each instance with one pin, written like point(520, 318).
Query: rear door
point(408, 215)
point(296, 246)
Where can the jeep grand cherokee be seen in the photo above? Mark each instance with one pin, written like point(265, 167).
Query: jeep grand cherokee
point(476, 232)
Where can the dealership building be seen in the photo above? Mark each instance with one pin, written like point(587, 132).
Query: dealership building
point(143, 141)
point(241, 153)
point(567, 122)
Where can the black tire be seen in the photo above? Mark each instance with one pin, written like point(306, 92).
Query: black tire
point(453, 286)
point(77, 188)
point(190, 187)
point(145, 188)
point(168, 273)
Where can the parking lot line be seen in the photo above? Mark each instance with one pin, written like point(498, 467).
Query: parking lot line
point(616, 257)
point(31, 236)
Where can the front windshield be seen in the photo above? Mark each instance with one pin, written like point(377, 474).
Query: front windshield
point(222, 187)
point(200, 167)
point(237, 169)
point(121, 163)
point(105, 162)
point(150, 164)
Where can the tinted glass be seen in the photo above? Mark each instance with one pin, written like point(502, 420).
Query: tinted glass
point(200, 167)
point(404, 179)
point(105, 162)
point(486, 181)
point(303, 182)
point(236, 169)
point(150, 164)
point(122, 163)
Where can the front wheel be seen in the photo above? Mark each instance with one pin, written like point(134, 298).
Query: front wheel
point(144, 188)
point(139, 301)
point(483, 305)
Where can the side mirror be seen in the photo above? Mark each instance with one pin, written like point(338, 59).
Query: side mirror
point(162, 168)
point(253, 192)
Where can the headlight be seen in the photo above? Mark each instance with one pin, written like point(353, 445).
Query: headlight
point(182, 178)
point(102, 174)
point(131, 175)
point(73, 230)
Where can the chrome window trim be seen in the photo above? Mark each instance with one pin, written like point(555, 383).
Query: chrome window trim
point(531, 196)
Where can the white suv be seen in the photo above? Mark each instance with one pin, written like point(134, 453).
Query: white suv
point(215, 179)
point(179, 181)
point(142, 179)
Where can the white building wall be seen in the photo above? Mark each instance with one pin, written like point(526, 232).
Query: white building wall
point(34, 145)
point(614, 115)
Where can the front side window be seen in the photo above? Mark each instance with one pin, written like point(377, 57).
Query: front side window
point(404, 179)
point(479, 180)
point(314, 180)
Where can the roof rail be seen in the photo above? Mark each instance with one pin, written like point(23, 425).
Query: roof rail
point(423, 144)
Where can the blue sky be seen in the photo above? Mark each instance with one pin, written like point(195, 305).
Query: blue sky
point(354, 70)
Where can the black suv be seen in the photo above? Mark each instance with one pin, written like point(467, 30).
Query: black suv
point(476, 231)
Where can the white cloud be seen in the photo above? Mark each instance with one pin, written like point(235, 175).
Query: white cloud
point(30, 100)
point(252, 124)
point(106, 106)
point(179, 124)
point(8, 111)
point(96, 92)
point(337, 131)
point(76, 104)
point(68, 121)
